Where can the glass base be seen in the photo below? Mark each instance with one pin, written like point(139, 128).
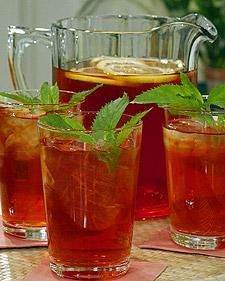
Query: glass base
point(197, 242)
point(89, 273)
point(27, 233)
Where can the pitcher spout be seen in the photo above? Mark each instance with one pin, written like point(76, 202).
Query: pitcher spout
point(181, 38)
point(206, 28)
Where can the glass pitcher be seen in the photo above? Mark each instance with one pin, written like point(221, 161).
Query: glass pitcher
point(125, 54)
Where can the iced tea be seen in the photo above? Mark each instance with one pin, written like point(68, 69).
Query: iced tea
point(195, 168)
point(119, 75)
point(90, 208)
point(20, 170)
point(20, 173)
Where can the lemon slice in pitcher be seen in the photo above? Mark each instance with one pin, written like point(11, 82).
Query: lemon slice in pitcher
point(93, 78)
point(131, 70)
point(122, 66)
point(126, 71)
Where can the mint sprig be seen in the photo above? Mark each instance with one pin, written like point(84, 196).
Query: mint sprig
point(187, 97)
point(184, 96)
point(49, 95)
point(103, 136)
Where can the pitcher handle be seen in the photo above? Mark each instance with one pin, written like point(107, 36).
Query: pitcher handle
point(19, 38)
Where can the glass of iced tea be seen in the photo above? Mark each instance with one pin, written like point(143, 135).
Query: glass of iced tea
point(20, 171)
point(126, 54)
point(89, 194)
point(195, 152)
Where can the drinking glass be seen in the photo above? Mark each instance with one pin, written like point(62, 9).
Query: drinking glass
point(126, 54)
point(195, 152)
point(20, 170)
point(89, 194)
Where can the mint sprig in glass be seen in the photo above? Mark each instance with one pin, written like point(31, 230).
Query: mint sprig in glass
point(47, 98)
point(207, 109)
point(105, 131)
point(90, 163)
point(194, 142)
point(22, 201)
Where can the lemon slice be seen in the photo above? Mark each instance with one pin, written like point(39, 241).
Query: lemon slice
point(94, 79)
point(123, 66)
point(128, 72)
point(122, 80)
point(135, 71)
point(150, 79)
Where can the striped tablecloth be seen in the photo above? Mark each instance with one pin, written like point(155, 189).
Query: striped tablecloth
point(16, 263)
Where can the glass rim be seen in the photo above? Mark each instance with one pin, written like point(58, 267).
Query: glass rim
point(200, 110)
point(8, 105)
point(57, 129)
point(167, 20)
point(203, 24)
point(58, 23)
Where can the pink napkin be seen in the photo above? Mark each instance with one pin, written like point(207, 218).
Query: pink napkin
point(161, 240)
point(8, 241)
point(139, 270)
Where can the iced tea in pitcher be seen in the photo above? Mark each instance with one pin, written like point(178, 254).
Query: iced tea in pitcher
point(130, 75)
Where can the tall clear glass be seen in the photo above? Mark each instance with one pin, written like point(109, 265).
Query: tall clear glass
point(89, 194)
point(21, 189)
point(195, 152)
point(125, 54)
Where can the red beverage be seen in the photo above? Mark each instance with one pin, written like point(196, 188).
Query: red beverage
point(21, 188)
point(90, 208)
point(20, 172)
point(195, 169)
point(119, 75)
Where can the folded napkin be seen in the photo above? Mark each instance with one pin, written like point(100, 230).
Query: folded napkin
point(9, 241)
point(161, 240)
point(138, 271)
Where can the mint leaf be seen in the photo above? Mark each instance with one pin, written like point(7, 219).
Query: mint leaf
point(184, 96)
point(190, 89)
point(162, 95)
point(107, 119)
point(127, 128)
point(57, 121)
point(74, 123)
point(17, 97)
point(216, 97)
point(49, 94)
point(80, 96)
point(168, 95)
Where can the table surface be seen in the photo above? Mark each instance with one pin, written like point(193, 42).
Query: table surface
point(16, 263)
